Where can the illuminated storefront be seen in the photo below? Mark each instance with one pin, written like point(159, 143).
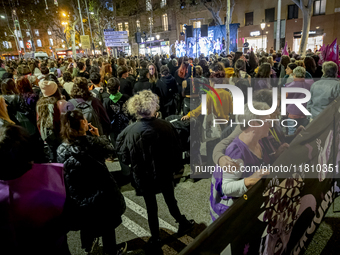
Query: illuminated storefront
point(157, 47)
point(315, 40)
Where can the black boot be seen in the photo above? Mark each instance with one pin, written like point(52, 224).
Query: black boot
point(154, 247)
point(185, 226)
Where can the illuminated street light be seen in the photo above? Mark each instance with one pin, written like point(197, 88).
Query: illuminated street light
point(64, 23)
point(63, 45)
point(263, 25)
point(92, 13)
point(64, 14)
point(100, 43)
point(2, 16)
point(157, 36)
point(79, 44)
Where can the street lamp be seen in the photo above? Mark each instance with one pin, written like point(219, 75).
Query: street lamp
point(91, 13)
point(263, 25)
point(2, 16)
point(157, 36)
point(79, 44)
point(63, 45)
point(64, 14)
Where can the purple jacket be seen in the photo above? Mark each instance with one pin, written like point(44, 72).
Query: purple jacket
point(219, 202)
point(298, 83)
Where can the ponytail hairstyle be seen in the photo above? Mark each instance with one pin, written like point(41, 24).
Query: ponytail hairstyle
point(183, 70)
point(70, 125)
point(240, 65)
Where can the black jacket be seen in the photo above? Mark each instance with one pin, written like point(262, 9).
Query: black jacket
point(118, 118)
point(143, 84)
point(131, 79)
point(152, 147)
point(126, 87)
point(94, 201)
point(167, 88)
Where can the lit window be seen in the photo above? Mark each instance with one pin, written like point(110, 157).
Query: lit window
point(163, 3)
point(27, 34)
point(36, 32)
point(138, 23)
point(5, 33)
point(51, 41)
point(127, 27)
point(5, 44)
point(9, 45)
point(319, 7)
point(21, 43)
point(148, 5)
point(197, 24)
point(39, 43)
point(49, 32)
point(165, 22)
point(120, 26)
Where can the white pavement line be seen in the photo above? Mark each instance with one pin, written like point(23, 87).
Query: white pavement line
point(134, 227)
point(142, 212)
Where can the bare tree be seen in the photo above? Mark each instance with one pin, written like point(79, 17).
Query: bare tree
point(214, 7)
point(307, 15)
point(229, 15)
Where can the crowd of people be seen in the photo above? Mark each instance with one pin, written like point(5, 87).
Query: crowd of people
point(86, 112)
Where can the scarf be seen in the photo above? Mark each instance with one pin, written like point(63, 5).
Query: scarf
point(116, 97)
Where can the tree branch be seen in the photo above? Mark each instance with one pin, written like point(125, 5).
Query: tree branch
point(298, 3)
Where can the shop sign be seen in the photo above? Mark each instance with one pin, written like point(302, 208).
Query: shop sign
point(255, 33)
point(61, 53)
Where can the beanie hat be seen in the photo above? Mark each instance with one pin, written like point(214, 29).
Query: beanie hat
point(48, 88)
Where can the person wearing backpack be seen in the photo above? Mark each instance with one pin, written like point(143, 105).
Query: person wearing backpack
point(90, 106)
point(95, 88)
point(115, 108)
point(168, 88)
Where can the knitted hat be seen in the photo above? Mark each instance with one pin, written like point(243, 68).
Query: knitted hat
point(48, 88)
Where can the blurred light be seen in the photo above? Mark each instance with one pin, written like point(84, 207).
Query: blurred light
point(79, 44)
point(100, 43)
point(263, 25)
point(63, 45)
point(92, 13)
point(157, 36)
point(64, 14)
point(64, 23)
point(2, 16)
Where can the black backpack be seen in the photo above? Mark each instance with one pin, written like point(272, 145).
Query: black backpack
point(119, 119)
point(89, 113)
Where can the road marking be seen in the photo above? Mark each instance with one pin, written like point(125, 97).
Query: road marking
point(134, 227)
point(142, 212)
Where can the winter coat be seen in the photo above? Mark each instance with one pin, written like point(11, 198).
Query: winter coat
point(167, 88)
point(143, 84)
point(152, 147)
point(94, 201)
point(323, 92)
point(126, 87)
point(118, 119)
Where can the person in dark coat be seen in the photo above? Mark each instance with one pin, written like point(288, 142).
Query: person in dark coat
point(152, 147)
point(144, 83)
point(94, 202)
point(173, 67)
point(114, 106)
point(80, 94)
point(125, 85)
point(168, 88)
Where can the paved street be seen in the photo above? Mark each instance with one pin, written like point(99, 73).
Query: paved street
point(193, 201)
